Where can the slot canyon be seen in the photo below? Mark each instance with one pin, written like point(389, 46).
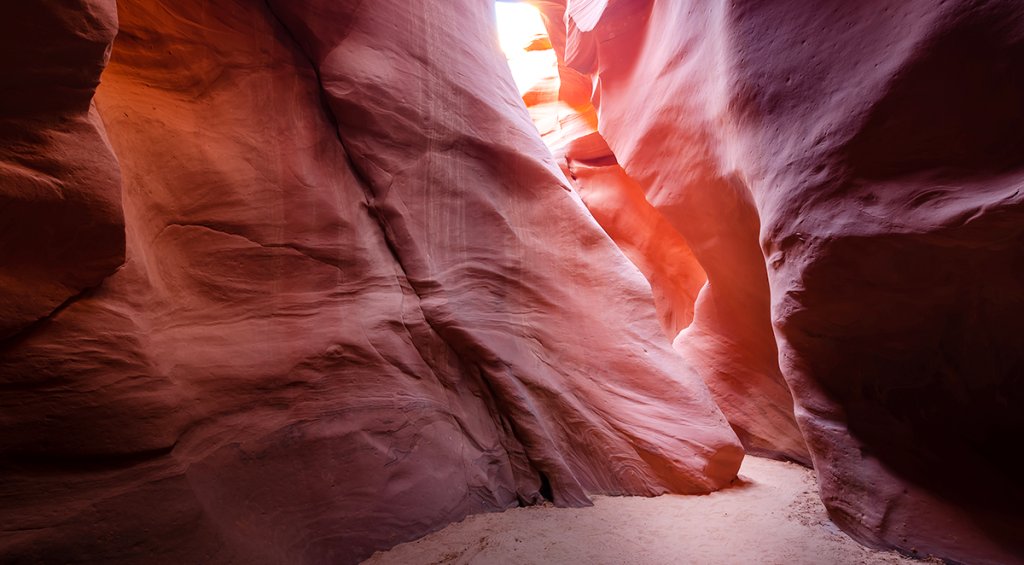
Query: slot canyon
point(297, 281)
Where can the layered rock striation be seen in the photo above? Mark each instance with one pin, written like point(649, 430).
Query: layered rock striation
point(300, 280)
point(357, 302)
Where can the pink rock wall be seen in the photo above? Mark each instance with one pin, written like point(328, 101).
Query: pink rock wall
point(874, 150)
point(693, 234)
point(300, 280)
point(358, 302)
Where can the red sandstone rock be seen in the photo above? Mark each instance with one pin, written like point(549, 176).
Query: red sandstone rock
point(60, 188)
point(618, 204)
point(273, 377)
point(468, 246)
point(359, 302)
point(731, 344)
point(876, 152)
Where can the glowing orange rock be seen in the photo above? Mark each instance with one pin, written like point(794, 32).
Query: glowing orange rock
point(864, 163)
point(731, 342)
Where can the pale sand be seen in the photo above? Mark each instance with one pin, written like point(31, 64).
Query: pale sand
point(771, 515)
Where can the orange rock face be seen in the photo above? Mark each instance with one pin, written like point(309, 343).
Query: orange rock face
point(691, 231)
point(358, 301)
point(856, 166)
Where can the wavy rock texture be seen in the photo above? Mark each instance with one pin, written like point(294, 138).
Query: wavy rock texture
point(616, 201)
point(692, 234)
point(876, 149)
point(358, 302)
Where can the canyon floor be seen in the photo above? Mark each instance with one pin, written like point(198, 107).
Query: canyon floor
point(771, 515)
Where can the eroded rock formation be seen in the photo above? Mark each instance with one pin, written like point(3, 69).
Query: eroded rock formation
point(300, 280)
point(60, 188)
point(358, 300)
point(875, 151)
point(693, 234)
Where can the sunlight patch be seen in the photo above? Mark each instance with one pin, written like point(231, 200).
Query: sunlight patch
point(520, 26)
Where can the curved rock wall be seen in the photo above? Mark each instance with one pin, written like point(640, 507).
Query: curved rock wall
point(340, 294)
point(690, 227)
point(60, 188)
point(875, 150)
point(358, 302)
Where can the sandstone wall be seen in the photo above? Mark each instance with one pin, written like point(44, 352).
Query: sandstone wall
point(860, 165)
point(358, 300)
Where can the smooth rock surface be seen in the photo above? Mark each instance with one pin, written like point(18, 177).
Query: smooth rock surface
point(61, 225)
point(359, 302)
point(875, 151)
point(692, 234)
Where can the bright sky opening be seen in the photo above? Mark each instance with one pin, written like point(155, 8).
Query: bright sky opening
point(518, 24)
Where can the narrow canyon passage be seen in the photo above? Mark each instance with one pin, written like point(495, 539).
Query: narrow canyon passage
point(720, 323)
point(292, 282)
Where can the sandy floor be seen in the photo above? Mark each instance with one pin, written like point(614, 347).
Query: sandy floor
point(772, 516)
